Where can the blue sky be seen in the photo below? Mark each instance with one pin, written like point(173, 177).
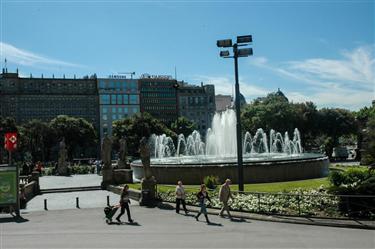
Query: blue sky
point(320, 51)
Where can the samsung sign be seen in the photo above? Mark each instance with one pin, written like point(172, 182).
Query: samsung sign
point(116, 76)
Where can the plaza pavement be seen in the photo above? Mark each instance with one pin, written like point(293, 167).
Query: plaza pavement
point(64, 226)
point(163, 228)
point(52, 182)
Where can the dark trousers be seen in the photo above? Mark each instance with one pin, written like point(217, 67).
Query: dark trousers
point(123, 207)
point(178, 201)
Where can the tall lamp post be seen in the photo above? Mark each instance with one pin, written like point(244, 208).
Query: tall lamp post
point(242, 41)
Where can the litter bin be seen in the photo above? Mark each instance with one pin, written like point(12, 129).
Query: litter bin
point(146, 198)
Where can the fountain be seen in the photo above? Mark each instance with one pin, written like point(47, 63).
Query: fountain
point(270, 158)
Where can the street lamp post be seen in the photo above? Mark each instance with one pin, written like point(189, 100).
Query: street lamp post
point(244, 52)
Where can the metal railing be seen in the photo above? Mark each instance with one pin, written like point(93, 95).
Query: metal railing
point(292, 204)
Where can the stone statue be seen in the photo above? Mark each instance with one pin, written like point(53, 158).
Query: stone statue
point(107, 152)
point(62, 165)
point(148, 183)
point(144, 150)
point(122, 153)
point(107, 162)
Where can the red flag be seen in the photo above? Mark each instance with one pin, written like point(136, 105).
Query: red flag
point(10, 143)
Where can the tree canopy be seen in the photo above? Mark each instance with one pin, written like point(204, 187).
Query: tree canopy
point(138, 126)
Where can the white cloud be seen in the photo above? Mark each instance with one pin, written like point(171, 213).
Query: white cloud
point(347, 82)
point(225, 85)
point(26, 58)
point(357, 67)
point(353, 100)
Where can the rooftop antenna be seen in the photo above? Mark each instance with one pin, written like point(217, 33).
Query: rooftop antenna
point(175, 72)
point(131, 74)
point(5, 65)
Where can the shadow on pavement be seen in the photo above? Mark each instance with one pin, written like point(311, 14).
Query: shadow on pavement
point(124, 223)
point(165, 206)
point(214, 224)
point(16, 219)
point(239, 220)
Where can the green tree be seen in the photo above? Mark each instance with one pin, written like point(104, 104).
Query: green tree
point(138, 126)
point(334, 123)
point(37, 138)
point(271, 112)
point(183, 126)
point(369, 148)
point(80, 135)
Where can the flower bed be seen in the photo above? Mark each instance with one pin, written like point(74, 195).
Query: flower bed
point(298, 202)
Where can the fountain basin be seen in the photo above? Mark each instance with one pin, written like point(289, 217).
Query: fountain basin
point(257, 169)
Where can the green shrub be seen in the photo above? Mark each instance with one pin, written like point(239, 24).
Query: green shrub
point(354, 181)
point(80, 169)
point(211, 181)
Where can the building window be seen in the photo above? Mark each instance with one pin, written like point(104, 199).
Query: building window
point(113, 99)
point(119, 99)
point(114, 116)
point(135, 109)
point(104, 99)
point(118, 86)
point(126, 110)
point(134, 99)
point(105, 117)
point(113, 109)
point(104, 109)
point(102, 85)
point(125, 100)
point(112, 85)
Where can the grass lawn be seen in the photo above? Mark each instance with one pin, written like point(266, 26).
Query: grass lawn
point(259, 187)
point(267, 187)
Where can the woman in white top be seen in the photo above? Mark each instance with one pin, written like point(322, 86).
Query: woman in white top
point(180, 197)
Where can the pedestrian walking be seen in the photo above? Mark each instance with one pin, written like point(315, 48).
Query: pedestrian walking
point(180, 197)
point(224, 195)
point(203, 197)
point(124, 203)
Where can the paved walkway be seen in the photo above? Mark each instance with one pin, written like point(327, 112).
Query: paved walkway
point(59, 201)
point(163, 228)
point(50, 182)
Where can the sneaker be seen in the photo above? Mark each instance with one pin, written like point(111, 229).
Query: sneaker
point(118, 219)
point(131, 221)
point(196, 218)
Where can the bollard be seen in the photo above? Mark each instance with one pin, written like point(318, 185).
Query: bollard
point(108, 200)
point(45, 204)
point(77, 202)
point(299, 205)
point(258, 202)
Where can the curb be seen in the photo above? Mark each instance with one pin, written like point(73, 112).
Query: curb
point(314, 221)
point(342, 223)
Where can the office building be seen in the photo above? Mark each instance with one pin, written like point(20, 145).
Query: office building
point(197, 103)
point(45, 98)
point(158, 96)
point(119, 98)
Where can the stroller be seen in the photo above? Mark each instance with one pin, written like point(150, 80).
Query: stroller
point(110, 212)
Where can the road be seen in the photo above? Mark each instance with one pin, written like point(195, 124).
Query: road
point(163, 228)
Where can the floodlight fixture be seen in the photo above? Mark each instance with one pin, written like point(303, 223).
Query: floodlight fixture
point(244, 52)
point(224, 53)
point(224, 43)
point(244, 39)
